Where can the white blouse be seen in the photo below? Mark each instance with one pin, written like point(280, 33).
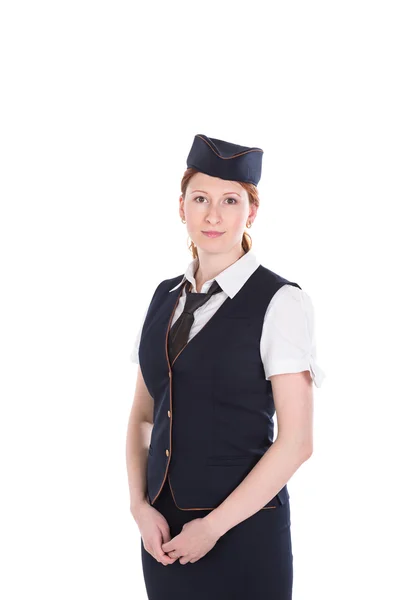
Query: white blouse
point(287, 343)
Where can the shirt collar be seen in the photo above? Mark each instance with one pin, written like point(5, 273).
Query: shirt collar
point(230, 279)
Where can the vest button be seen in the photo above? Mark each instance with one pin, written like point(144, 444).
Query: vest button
point(167, 452)
point(169, 413)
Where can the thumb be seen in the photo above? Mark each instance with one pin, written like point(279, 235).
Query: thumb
point(159, 551)
point(167, 544)
point(165, 535)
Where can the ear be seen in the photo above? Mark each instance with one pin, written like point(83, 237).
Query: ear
point(253, 211)
point(181, 203)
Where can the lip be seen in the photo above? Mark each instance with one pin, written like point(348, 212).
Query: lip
point(213, 234)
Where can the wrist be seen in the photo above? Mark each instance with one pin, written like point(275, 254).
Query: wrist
point(138, 506)
point(215, 521)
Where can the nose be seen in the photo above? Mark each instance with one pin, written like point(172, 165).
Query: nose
point(213, 215)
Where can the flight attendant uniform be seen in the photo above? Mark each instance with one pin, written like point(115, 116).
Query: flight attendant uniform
point(213, 418)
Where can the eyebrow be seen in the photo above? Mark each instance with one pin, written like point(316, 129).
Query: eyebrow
point(226, 194)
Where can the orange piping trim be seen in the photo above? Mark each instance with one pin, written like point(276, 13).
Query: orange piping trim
point(234, 155)
point(170, 426)
point(170, 397)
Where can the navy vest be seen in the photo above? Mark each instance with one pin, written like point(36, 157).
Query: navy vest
point(213, 407)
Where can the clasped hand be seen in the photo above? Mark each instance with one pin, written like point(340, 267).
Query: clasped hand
point(194, 541)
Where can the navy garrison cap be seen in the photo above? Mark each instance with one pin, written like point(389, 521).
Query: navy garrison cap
point(225, 160)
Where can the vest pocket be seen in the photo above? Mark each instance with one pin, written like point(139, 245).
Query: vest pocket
point(281, 497)
point(228, 473)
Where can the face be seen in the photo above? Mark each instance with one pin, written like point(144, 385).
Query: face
point(214, 204)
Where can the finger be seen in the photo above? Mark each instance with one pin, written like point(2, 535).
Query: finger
point(152, 552)
point(173, 545)
point(161, 556)
point(184, 559)
point(165, 559)
point(165, 537)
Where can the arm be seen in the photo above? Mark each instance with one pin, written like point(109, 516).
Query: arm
point(138, 435)
point(293, 397)
point(153, 526)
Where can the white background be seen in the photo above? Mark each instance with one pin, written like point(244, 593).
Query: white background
point(100, 102)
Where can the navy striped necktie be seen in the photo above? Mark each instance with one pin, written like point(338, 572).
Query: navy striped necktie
point(179, 332)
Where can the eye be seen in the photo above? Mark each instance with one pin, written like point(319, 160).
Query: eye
point(197, 197)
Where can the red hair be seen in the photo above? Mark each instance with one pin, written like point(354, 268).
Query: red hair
point(252, 192)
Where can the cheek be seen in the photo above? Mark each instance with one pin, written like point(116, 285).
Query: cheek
point(195, 212)
point(233, 218)
point(238, 220)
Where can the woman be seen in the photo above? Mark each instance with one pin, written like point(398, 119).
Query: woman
point(221, 348)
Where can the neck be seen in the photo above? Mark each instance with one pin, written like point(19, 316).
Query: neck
point(210, 265)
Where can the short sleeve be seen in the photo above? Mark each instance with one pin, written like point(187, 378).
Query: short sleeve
point(135, 352)
point(288, 343)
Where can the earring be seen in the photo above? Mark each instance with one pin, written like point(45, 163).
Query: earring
point(249, 224)
point(183, 221)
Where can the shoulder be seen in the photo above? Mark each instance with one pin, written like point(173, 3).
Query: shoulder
point(291, 300)
point(275, 280)
point(288, 341)
point(169, 284)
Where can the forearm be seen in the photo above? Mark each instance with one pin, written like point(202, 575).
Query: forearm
point(263, 482)
point(137, 444)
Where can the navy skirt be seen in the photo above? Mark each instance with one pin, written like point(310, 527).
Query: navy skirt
point(252, 561)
